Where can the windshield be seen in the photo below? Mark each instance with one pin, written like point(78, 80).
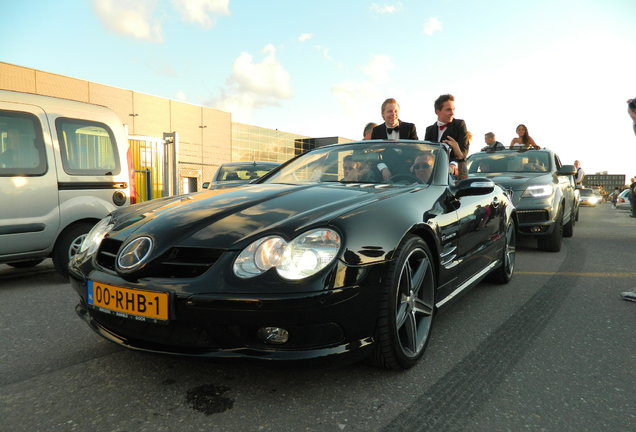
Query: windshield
point(587, 192)
point(383, 162)
point(247, 172)
point(504, 161)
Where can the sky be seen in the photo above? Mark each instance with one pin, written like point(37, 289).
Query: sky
point(564, 68)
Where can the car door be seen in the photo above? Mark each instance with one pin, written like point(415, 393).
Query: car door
point(29, 214)
point(567, 186)
point(478, 225)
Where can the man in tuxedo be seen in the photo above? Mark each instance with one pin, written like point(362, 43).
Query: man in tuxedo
point(393, 129)
point(451, 131)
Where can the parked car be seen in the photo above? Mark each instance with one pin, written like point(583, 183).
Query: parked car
point(623, 200)
point(63, 167)
point(542, 190)
point(587, 197)
point(233, 173)
point(314, 260)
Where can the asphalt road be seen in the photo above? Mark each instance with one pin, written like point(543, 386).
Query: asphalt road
point(554, 350)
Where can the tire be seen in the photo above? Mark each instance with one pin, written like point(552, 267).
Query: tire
point(407, 307)
point(503, 273)
point(67, 245)
point(568, 228)
point(25, 264)
point(552, 242)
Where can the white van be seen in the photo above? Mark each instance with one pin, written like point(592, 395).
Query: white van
point(63, 167)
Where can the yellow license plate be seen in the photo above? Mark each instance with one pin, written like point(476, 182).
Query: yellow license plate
point(131, 303)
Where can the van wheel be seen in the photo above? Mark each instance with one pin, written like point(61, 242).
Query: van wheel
point(25, 264)
point(68, 244)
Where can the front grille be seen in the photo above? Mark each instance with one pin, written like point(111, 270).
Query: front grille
point(177, 262)
point(184, 262)
point(532, 216)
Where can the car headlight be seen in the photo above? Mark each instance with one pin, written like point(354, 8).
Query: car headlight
point(304, 256)
point(95, 236)
point(538, 191)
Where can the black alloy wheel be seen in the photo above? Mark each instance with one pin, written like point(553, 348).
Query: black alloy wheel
point(407, 307)
point(503, 273)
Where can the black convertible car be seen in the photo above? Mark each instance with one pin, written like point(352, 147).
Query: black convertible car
point(345, 251)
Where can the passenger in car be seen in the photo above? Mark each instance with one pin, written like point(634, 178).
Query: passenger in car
point(523, 140)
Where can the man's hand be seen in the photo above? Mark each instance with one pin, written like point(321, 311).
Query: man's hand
point(386, 174)
point(455, 146)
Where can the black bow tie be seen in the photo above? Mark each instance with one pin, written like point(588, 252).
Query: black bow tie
point(391, 130)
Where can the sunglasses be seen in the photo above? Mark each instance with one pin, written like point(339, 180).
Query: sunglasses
point(421, 166)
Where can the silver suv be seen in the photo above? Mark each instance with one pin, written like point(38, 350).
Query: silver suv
point(542, 189)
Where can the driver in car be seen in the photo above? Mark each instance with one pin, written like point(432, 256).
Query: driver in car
point(423, 166)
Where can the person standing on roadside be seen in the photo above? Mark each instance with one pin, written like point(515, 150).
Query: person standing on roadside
point(450, 131)
point(632, 196)
point(580, 174)
point(631, 110)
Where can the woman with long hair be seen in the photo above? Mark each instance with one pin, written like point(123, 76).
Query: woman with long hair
point(523, 141)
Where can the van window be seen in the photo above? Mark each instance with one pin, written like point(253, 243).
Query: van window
point(87, 148)
point(21, 145)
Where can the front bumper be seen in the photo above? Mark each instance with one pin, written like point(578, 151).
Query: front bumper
point(329, 323)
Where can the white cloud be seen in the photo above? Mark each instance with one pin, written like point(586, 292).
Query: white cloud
point(181, 96)
point(431, 26)
point(352, 95)
point(202, 12)
point(378, 69)
point(324, 52)
point(305, 36)
point(253, 85)
point(385, 9)
point(130, 18)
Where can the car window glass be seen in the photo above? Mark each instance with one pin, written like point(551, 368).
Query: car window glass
point(362, 163)
point(87, 148)
point(21, 145)
point(529, 161)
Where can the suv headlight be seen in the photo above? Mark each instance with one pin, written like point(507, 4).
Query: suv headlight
point(538, 191)
point(95, 236)
point(302, 257)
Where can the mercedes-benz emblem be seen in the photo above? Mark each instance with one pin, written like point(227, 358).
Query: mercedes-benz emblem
point(134, 253)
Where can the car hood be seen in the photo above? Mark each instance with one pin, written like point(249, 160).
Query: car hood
point(518, 182)
point(230, 218)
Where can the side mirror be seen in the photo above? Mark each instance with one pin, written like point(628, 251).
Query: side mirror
point(205, 185)
point(474, 186)
point(567, 170)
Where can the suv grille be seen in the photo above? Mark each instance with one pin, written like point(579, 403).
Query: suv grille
point(532, 216)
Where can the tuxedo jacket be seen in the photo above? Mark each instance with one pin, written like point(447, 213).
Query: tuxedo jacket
point(407, 131)
point(456, 129)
